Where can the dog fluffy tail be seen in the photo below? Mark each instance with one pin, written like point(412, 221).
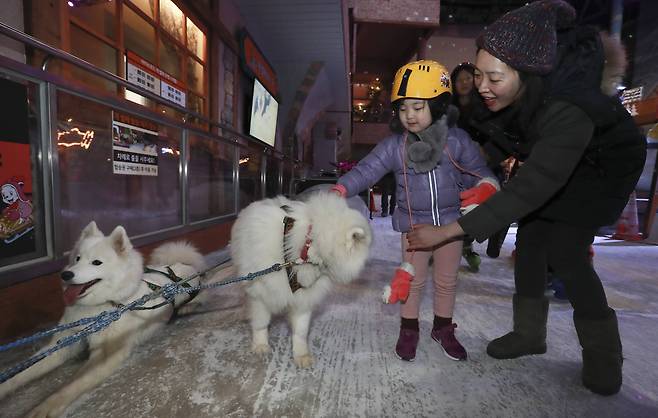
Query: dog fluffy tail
point(178, 252)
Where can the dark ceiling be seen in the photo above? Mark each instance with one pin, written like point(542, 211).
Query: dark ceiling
point(475, 11)
point(380, 47)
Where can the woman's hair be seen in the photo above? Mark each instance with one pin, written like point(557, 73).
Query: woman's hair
point(532, 97)
point(438, 107)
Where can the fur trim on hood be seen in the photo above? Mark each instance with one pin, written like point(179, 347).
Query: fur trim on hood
point(615, 63)
point(424, 149)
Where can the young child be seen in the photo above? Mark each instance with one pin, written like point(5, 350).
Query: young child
point(432, 162)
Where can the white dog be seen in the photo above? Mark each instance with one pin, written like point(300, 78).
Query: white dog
point(105, 272)
point(330, 239)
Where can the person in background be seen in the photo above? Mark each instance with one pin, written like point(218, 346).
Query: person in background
point(583, 157)
point(388, 187)
point(469, 103)
point(432, 161)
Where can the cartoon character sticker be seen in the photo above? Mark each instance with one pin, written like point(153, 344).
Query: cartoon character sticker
point(16, 218)
point(445, 80)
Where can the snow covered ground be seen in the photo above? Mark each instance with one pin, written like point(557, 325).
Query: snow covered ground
point(201, 366)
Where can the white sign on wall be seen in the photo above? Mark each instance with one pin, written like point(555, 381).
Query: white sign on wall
point(137, 76)
point(146, 75)
point(172, 93)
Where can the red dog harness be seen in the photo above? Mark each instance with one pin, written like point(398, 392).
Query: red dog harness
point(288, 224)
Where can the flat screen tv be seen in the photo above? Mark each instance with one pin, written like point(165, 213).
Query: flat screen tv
point(264, 108)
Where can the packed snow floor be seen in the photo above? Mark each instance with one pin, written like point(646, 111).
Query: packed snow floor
point(201, 364)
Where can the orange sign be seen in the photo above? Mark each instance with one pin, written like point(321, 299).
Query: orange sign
point(258, 65)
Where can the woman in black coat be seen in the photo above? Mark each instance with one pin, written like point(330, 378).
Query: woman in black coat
point(582, 156)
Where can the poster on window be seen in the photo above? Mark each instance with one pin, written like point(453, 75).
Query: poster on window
point(17, 218)
point(134, 146)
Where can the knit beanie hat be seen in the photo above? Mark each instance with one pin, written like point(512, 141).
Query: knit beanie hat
point(525, 38)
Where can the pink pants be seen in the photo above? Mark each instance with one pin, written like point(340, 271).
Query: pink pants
point(446, 264)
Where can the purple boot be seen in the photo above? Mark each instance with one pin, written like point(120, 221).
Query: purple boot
point(445, 336)
point(407, 343)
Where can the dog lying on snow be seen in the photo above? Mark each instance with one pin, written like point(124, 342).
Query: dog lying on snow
point(331, 239)
point(105, 272)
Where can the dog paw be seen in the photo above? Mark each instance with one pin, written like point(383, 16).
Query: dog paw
point(261, 348)
point(48, 409)
point(304, 361)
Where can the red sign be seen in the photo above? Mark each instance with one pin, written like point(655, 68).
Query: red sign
point(15, 163)
point(258, 65)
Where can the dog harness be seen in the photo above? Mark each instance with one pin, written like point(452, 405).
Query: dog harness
point(171, 275)
point(288, 223)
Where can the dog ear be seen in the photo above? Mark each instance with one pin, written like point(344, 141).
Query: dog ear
point(120, 241)
point(90, 230)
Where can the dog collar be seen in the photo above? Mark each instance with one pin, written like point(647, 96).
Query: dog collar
point(288, 224)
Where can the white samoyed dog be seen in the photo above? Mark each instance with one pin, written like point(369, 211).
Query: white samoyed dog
point(105, 272)
point(331, 240)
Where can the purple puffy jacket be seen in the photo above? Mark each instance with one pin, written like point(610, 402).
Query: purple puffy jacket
point(434, 195)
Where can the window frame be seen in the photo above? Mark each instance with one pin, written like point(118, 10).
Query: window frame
point(160, 33)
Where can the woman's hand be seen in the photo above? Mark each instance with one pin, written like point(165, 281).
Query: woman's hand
point(428, 236)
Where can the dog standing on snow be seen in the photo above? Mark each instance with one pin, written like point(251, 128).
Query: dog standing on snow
point(331, 241)
point(105, 272)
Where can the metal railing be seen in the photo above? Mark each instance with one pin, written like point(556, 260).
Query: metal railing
point(51, 52)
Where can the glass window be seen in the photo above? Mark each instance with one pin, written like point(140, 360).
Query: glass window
point(171, 57)
point(210, 178)
point(146, 6)
point(94, 51)
point(89, 188)
point(138, 35)
point(167, 38)
point(250, 184)
point(196, 40)
point(172, 19)
point(22, 221)
point(195, 103)
point(194, 75)
point(287, 177)
point(272, 177)
point(100, 17)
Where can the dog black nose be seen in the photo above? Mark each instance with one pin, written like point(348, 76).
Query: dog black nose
point(67, 275)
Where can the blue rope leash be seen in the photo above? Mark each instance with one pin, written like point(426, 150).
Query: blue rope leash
point(45, 333)
point(105, 319)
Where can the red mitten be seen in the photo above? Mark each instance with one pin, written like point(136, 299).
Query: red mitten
point(472, 197)
point(399, 288)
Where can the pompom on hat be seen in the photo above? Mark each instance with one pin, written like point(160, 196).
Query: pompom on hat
point(525, 38)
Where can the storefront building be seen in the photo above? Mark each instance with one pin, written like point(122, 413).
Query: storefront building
point(125, 112)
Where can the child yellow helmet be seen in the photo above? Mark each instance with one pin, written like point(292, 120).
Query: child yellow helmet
point(424, 79)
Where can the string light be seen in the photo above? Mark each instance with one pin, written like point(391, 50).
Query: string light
point(87, 138)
